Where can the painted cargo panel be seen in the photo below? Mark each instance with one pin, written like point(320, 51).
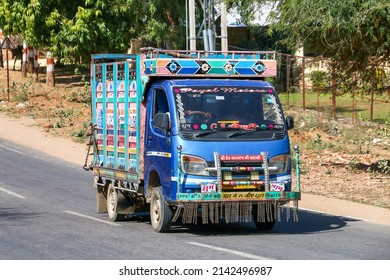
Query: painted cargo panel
point(116, 96)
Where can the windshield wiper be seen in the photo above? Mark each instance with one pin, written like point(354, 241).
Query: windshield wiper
point(241, 132)
point(201, 134)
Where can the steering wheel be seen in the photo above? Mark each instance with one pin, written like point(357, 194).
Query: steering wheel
point(200, 116)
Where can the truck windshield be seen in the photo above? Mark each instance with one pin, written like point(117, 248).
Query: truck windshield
point(224, 108)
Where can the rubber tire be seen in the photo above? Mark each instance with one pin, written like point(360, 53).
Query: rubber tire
point(112, 202)
point(160, 213)
point(264, 226)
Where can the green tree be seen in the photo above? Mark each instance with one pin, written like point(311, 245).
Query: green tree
point(354, 33)
point(73, 29)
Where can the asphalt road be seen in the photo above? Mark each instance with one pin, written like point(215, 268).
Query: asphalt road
point(48, 212)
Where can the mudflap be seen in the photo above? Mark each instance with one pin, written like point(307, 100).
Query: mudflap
point(101, 200)
point(127, 203)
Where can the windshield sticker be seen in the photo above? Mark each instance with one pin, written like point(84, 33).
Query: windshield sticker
point(230, 125)
point(185, 126)
point(204, 126)
point(180, 109)
point(196, 126)
point(223, 90)
point(241, 157)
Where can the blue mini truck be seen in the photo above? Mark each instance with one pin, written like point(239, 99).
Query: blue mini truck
point(192, 137)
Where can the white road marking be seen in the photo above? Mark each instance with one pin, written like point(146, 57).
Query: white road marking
point(92, 218)
point(13, 150)
point(33, 156)
point(325, 213)
point(238, 253)
point(11, 193)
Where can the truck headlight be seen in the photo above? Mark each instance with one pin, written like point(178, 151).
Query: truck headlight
point(193, 165)
point(280, 162)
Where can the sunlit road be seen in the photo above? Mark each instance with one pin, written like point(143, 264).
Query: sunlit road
point(47, 211)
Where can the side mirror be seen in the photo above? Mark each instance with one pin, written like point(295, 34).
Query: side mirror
point(161, 120)
point(290, 122)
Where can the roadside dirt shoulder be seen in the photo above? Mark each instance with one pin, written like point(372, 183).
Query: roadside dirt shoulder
point(24, 131)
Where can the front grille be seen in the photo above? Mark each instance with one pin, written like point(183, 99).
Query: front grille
point(237, 164)
point(279, 135)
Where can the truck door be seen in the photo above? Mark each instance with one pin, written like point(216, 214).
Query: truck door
point(158, 141)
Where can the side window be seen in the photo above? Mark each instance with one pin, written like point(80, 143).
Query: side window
point(271, 110)
point(160, 106)
point(160, 102)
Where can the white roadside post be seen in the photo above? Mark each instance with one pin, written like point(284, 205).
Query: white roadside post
point(50, 79)
point(24, 59)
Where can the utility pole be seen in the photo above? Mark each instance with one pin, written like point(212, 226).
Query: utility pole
point(224, 33)
point(207, 29)
point(191, 9)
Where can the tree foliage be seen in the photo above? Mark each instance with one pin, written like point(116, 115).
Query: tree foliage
point(77, 28)
point(353, 33)
point(248, 10)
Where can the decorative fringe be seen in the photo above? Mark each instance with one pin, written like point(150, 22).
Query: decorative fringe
point(190, 213)
point(295, 207)
point(268, 211)
point(234, 211)
point(210, 212)
point(177, 213)
point(288, 213)
point(237, 211)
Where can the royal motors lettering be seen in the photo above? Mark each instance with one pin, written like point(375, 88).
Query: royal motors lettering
point(222, 90)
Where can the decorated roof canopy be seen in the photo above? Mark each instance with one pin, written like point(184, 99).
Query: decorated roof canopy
point(156, 62)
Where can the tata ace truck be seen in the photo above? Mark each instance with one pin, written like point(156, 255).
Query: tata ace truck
point(192, 137)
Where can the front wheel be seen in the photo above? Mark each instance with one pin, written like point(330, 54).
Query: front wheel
point(160, 213)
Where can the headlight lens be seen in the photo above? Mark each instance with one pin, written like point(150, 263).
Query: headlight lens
point(280, 162)
point(193, 165)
